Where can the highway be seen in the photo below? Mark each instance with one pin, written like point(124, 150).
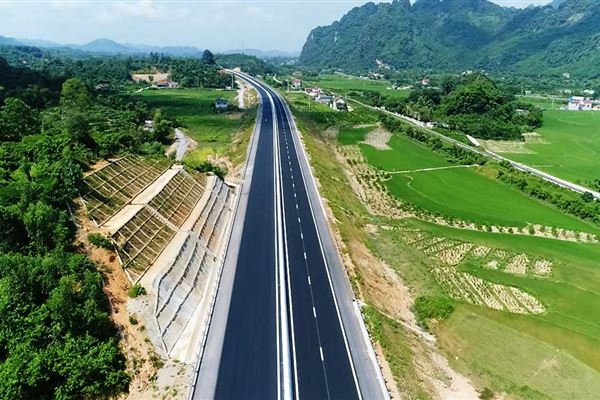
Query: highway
point(285, 323)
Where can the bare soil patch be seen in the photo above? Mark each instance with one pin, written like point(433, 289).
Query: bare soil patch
point(533, 137)
point(143, 363)
point(504, 146)
point(378, 138)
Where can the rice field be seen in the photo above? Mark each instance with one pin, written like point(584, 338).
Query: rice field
point(464, 193)
point(345, 83)
point(569, 147)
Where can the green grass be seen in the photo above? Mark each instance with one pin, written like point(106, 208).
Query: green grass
point(350, 135)
point(571, 294)
point(194, 108)
point(568, 332)
point(399, 352)
point(545, 103)
point(406, 154)
point(466, 194)
point(513, 361)
point(572, 148)
point(345, 83)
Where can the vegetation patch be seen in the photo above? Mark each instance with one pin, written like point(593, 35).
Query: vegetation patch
point(136, 290)
point(570, 147)
point(100, 240)
point(432, 307)
point(194, 110)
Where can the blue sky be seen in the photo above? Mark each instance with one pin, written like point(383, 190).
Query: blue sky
point(215, 24)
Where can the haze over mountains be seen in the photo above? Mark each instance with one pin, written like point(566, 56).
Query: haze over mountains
point(455, 35)
point(107, 46)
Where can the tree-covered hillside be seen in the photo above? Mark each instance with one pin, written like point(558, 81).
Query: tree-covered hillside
point(454, 35)
point(56, 338)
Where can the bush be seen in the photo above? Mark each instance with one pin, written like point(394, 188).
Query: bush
point(136, 290)
point(486, 394)
point(207, 166)
point(432, 307)
point(99, 240)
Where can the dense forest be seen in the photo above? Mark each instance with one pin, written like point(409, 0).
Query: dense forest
point(115, 70)
point(56, 338)
point(472, 104)
point(456, 35)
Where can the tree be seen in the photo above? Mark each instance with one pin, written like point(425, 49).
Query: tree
point(78, 126)
point(46, 227)
point(160, 126)
point(208, 57)
point(17, 119)
point(587, 197)
point(75, 94)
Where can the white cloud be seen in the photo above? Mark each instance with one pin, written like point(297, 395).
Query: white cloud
point(216, 24)
point(258, 13)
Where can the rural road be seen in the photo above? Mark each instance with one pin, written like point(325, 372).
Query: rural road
point(286, 324)
point(181, 140)
point(522, 167)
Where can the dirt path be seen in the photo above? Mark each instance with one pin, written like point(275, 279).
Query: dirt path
point(241, 93)
point(432, 169)
point(181, 145)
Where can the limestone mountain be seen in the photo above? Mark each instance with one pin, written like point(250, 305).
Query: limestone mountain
point(455, 35)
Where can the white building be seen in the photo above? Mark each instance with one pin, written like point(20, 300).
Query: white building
point(578, 103)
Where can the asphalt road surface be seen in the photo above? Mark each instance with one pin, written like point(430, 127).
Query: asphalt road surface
point(279, 333)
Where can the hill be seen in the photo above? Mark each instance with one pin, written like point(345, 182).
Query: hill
point(454, 35)
point(105, 46)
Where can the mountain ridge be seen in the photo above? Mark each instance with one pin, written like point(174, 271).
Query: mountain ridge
point(106, 46)
point(455, 35)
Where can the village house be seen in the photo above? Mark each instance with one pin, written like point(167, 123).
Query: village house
point(324, 99)
point(296, 84)
point(579, 103)
point(221, 104)
point(102, 87)
point(166, 85)
point(339, 104)
point(313, 92)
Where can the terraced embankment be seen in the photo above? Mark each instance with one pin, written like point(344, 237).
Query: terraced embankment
point(169, 227)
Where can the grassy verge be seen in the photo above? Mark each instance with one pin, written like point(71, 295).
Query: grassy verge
point(396, 345)
point(512, 361)
point(237, 151)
